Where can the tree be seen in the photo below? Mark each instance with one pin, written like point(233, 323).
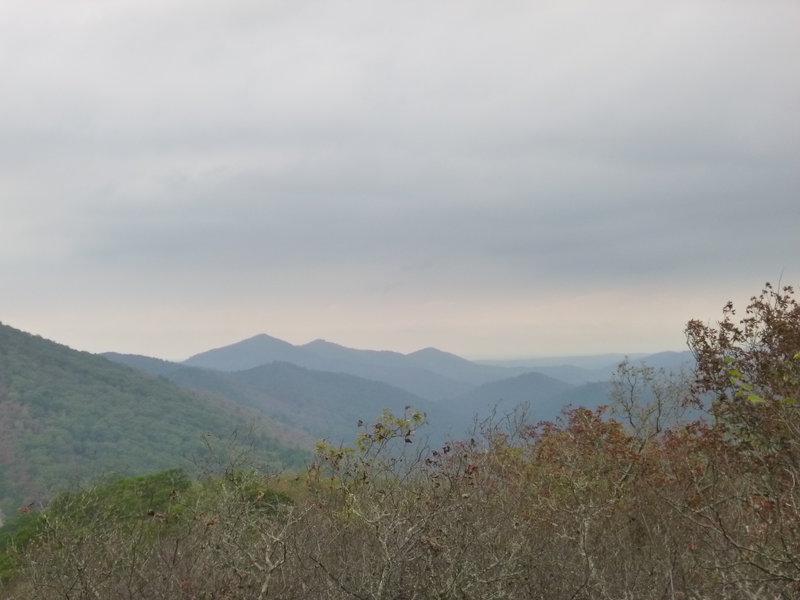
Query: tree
point(752, 369)
point(649, 400)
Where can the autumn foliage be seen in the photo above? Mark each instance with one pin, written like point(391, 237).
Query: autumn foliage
point(589, 507)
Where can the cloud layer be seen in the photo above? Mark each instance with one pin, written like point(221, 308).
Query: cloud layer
point(492, 178)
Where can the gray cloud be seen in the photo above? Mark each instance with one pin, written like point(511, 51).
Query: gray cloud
point(434, 151)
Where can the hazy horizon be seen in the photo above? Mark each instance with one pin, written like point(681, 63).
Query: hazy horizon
point(491, 179)
point(532, 358)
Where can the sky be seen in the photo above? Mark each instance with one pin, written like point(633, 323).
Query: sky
point(493, 178)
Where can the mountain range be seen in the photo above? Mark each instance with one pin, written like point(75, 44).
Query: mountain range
point(66, 415)
point(427, 373)
point(323, 388)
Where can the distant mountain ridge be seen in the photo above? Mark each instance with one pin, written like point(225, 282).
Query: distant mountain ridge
point(461, 390)
point(590, 369)
point(429, 373)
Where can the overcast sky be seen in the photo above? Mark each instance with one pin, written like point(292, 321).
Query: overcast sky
point(493, 178)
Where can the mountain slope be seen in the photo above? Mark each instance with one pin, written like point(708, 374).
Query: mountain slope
point(530, 387)
point(320, 404)
point(67, 415)
point(543, 396)
point(330, 404)
point(461, 369)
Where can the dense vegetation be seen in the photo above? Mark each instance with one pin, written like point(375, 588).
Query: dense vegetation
point(589, 507)
point(66, 416)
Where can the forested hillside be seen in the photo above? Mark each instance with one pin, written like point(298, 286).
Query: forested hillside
point(68, 416)
point(321, 404)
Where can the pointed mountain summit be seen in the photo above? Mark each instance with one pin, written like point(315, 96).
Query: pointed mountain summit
point(253, 352)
